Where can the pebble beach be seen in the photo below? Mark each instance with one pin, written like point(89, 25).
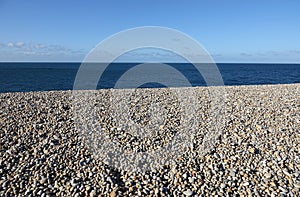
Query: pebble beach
point(257, 153)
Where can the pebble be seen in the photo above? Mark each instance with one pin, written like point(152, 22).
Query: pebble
point(43, 180)
point(282, 189)
point(297, 185)
point(113, 194)
point(188, 192)
point(87, 188)
point(93, 193)
point(232, 173)
point(286, 172)
point(43, 154)
point(251, 150)
point(268, 175)
point(191, 179)
point(222, 185)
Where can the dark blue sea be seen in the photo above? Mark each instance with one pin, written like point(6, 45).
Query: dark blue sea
point(21, 77)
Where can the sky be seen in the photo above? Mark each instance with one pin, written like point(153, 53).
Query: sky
point(231, 31)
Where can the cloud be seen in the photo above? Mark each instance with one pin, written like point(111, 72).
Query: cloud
point(217, 55)
point(58, 48)
point(15, 45)
point(10, 44)
point(261, 54)
point(78, 51)
point(295, 51)
point(39, 46)
point(19, 44)
point(29, 53)
point(22, 51)
point(271, 53)
point(246, 54)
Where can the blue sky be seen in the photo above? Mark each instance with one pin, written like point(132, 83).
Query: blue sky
point(231, 31)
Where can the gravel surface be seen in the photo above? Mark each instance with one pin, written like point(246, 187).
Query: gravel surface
point(258, 152)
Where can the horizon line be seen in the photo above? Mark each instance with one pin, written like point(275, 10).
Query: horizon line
point(152, 62)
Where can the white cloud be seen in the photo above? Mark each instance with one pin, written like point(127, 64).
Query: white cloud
point(19, 44)
point(39, 46)
point(29, 53)
point(21, 51)
point(16, 44)
point(246, 54)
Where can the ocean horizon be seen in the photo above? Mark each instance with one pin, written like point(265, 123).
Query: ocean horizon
point(35, 76)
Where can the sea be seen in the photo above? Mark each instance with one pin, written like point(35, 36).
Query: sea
point(25, 77)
